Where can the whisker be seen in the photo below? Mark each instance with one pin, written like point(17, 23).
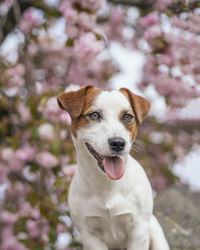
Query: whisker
point(138, 142)
point(137, 146)
point(135, 150)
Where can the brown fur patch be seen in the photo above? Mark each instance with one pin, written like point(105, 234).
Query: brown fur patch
point(83, 120)
point(73, 101)
point(130, 126)
point(140, 105)
point(78, 104)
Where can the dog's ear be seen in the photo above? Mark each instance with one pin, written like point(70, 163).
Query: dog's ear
point(73, 101)
point(140, 105)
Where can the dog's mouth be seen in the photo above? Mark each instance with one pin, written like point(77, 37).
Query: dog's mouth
point(113, 166)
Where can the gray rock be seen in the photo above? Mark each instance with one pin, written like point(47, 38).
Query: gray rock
point(178, 210)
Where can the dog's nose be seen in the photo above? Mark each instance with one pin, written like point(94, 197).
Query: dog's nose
point(117, 144)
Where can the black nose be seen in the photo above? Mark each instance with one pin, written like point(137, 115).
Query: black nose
point(117, 144)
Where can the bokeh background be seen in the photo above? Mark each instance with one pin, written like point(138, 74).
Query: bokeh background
point(151, 47)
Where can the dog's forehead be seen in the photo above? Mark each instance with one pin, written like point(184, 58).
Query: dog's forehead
point(112, 100)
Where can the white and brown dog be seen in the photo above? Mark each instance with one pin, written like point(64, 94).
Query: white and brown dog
point(110, 197)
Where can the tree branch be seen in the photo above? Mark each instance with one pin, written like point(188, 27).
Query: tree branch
point(136, 3)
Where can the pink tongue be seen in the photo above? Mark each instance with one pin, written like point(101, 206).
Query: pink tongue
point(114, 167)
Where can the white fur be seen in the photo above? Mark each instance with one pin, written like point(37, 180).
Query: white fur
point(111, 213)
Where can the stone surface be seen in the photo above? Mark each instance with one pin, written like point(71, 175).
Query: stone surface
point(178, 210)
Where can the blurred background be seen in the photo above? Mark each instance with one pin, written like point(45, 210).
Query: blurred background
point(151, 47)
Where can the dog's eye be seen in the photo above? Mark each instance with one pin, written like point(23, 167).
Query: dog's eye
point(128, 117)
point(94, 115)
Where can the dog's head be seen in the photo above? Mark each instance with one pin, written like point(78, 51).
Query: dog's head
point(104, 124)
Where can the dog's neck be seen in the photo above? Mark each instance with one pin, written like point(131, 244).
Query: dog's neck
point(91, 173)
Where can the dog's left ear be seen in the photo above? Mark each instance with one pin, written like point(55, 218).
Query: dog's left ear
point(73, 101)
point(140, 105)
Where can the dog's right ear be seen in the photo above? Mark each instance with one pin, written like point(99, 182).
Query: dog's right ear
point(73, 101)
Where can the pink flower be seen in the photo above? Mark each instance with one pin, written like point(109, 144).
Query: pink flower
point(69, 12)
point(35, 213)
point(69, 170)
point(51, 110)
point(12, 243)
point(46, 159)
point(179, 23)
point(72, 31)
point(152, 33)
point(65, 118)
point(14, 76)
point(149, 20)
point(163, 4)
point(26, 153)
point(3, 173)
point(8, 218)
point(31, 18)
point(7, 154)
point(24, 112)
point(46, 132)
point(87, 47)
point(21, 155)
point(86, 21)
point(32, 228)
point(60, 228)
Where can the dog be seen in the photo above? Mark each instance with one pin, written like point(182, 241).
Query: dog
point(110, 197)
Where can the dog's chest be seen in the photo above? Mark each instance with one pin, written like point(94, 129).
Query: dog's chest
point(113, 222)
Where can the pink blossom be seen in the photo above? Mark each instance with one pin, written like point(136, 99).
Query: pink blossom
point(24, 112)
point(31, 18)
point(69, 170)
point(46, 159)
point(69, 12)
point(149, 20)
point(32, 228)
point(73, 32)
point(194, 28)
point(8, 218)
point(7, 154)
point(3, 173)
point(51, 110)
point(12, 243)
point(165, 59)
point(63, 134)
point(46, 132)
point(35, 213)
point(163, 4)
point(152, 32)
point(179, 23)
point(87, 47)
point(116, 26)
point(197, 78)
point(65, 159)
point(60, 228)
point(26, 153)
point(65, 118)
point(86, 21)
point(14, 76)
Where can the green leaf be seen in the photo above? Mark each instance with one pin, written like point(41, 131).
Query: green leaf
point(20, 225)
point(32, 198)
point(69, 42)
point(59, 182)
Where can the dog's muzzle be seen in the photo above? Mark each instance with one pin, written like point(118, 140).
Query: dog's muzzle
point(113, 166)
